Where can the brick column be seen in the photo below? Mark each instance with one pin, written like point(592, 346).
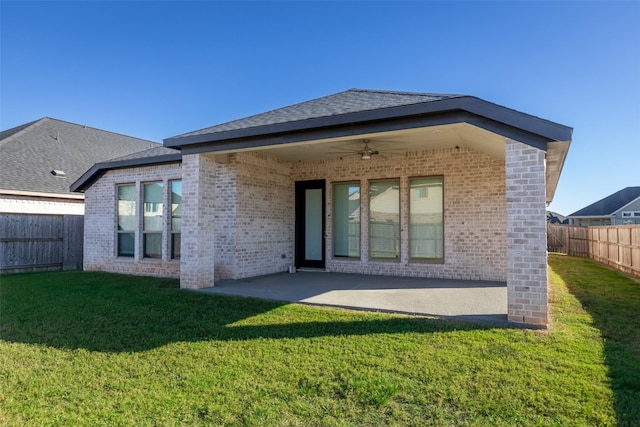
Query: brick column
point(527, 290)
point(198, 210)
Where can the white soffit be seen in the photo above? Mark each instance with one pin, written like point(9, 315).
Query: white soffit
point(395, 142)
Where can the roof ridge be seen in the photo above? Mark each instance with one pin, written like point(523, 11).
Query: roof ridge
point(101, 130)
point(260, 114)
point(333, 95)
point(400, 92)
point(25, 127)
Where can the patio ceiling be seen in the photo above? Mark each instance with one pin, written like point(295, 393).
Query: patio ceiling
point(390, 143)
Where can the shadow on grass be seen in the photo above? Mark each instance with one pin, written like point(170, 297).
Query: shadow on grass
point(613, 301)
point(116, 313)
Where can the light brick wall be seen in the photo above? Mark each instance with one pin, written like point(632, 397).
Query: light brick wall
point(527, 291)
point(10, 203)
point(198, 220)
point(101, 222)
point(265, 215)
point(474, 211)
point(250, 206)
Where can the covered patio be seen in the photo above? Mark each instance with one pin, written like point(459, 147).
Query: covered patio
point(473, 300)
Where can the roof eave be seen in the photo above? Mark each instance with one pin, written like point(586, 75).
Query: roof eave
point(625, 206)
point(24, 193)
point(483, 111)
point(97, 170)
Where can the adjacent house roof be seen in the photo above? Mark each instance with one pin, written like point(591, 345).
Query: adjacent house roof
point(47, 155)
point(610, 204)
point(357, 110)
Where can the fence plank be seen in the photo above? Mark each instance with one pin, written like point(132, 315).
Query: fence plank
point(73, 242)
point(616, 246)
point(32, 242)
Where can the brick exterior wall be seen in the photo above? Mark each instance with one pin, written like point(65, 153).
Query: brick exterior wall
point(527, 291)
point(10, 203)
point(239, 219)
point(265, 215)
point(198, 220)
point(100, 223)
point(250, 203)
point(474, 211)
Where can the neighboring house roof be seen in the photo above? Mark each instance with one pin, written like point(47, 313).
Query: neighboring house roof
point(45, 156)
point(373, 110)
point(610, 204)
point(152, 156)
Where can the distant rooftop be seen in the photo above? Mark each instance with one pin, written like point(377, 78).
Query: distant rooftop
point(47, 155)
point(610, 204)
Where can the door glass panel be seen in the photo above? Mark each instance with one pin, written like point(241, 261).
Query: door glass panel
point(313, 224)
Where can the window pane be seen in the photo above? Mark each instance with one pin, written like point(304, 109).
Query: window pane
point(153, 206)
point(384, 219)
point(346, 220)
point(126, 244)
point(175, 246)
point(176, 205)
point(126, 207)
point(426, 231)
point(152, 243)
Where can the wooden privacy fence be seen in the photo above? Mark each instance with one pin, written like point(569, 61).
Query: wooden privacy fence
point(617, 246)
point(31, 242)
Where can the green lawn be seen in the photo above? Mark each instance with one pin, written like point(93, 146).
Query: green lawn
point(101, 349)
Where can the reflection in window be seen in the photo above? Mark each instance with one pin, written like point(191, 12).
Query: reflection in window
point(346, 220)
point(426, 230)
point(176, 218)
point(384, 219)
point(152, 220)
point(126, 220)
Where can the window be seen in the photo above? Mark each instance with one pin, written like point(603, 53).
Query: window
point(176, 218)
point(152, 220)
point(426, 230)
point(346, 220)
point(384, 219)
point(126, 238)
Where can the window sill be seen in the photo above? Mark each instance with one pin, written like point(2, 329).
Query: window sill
point(426, 261)
point(385, 260)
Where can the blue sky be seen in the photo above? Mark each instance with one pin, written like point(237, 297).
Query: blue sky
point(159, 69)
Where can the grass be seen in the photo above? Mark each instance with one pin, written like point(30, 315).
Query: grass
point(101, 349)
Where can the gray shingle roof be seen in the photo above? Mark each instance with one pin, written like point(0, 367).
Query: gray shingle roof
point(151, 156)
point(147, 154)
point(349, 101)
point(31, 151)
point(610, 204)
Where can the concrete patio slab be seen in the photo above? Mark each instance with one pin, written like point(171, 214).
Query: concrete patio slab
point(479, 301)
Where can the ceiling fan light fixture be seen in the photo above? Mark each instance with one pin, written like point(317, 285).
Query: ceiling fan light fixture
point(366, 156)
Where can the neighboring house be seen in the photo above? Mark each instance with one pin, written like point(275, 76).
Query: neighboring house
point(41, 159)
point(620, 208)
point(362, 181)
point(556, 218)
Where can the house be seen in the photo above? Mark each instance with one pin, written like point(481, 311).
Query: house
point(619, 208)
point(361, 181)
point(41, 159)
point(556, 218)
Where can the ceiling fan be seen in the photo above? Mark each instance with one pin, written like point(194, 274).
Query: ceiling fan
point(365, 151)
